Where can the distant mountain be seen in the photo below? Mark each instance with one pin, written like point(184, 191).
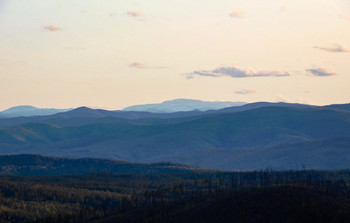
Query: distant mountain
point(36, 165)
point(256, 105)
point(277, 136)
point(85, 115)
point(26, 110)
point(344, 107)
point(183, 105)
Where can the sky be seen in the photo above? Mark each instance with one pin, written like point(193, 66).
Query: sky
point(116, 53)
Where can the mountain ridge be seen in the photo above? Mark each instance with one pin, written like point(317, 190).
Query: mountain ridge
point(89, 113)
point(181, 104)
point(39, 165)
point(28, 110)
point(230, 135)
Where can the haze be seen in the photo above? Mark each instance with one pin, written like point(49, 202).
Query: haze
point(112, 54)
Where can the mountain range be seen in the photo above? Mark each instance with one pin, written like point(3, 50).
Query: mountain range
point(177, 105)
point(252, 136)
point(27, 110)
point(183, 105)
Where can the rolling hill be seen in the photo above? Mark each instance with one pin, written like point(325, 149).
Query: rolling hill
point(85, 115)
point(37, 165)
point(263, 135)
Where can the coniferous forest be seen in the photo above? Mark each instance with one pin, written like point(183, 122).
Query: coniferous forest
point(257, 196)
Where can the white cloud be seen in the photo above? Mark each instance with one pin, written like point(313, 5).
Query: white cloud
point(320, 72)
point(144, 66)
point(136, 14)
point(138, 65)
point(335, 48)
point(237, 14)
point(52, 28)
point(236, 72)
point(245, 91)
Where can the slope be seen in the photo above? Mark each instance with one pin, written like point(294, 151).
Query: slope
point(36, 165)
point(186, 141)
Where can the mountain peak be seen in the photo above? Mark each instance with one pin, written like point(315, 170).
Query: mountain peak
point(84, 111)
point(82, 108)
point(28, 110)
point(20, 108)
point(183, 104)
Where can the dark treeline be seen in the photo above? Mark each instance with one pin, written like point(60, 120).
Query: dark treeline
point(260, 196)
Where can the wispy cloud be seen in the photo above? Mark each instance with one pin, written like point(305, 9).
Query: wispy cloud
point(245, 91)
point(52, 28)
point(74, 48)
point(236, 72)
point(136, 14)
point(138, 65)
point(335, 48)
point(320, 72)
point(144, 66)
point(237, 14)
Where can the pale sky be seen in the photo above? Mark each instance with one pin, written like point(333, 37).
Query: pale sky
point(115, 53)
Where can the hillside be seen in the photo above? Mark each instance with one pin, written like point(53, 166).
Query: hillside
point(84, 115)
point(277, 136)
point(36, 165)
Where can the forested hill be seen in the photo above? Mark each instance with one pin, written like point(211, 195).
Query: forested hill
point(260, 196)
point(36, 165)
point(260, 135)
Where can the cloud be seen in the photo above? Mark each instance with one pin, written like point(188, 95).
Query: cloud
point(335, 48)
point(245, 91)
point(144, 66)
point(135, 14)
point(52, 28)
point(236, 72)
point(74, 48)
point(237, 14)
point(138, 65)
point(320, 72)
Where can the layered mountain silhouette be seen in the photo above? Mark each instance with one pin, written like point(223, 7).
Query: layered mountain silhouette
point(26, 110)
point(252, 136)
point(178, 105)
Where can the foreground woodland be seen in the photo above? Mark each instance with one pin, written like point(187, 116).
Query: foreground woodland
point(258, 196)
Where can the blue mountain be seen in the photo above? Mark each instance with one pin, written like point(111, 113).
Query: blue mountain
point(26, 110)
point(183, 105)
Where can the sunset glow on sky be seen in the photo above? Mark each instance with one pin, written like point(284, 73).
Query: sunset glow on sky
point(116, 53)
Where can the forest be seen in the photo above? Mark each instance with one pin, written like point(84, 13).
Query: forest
point(246, 196)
